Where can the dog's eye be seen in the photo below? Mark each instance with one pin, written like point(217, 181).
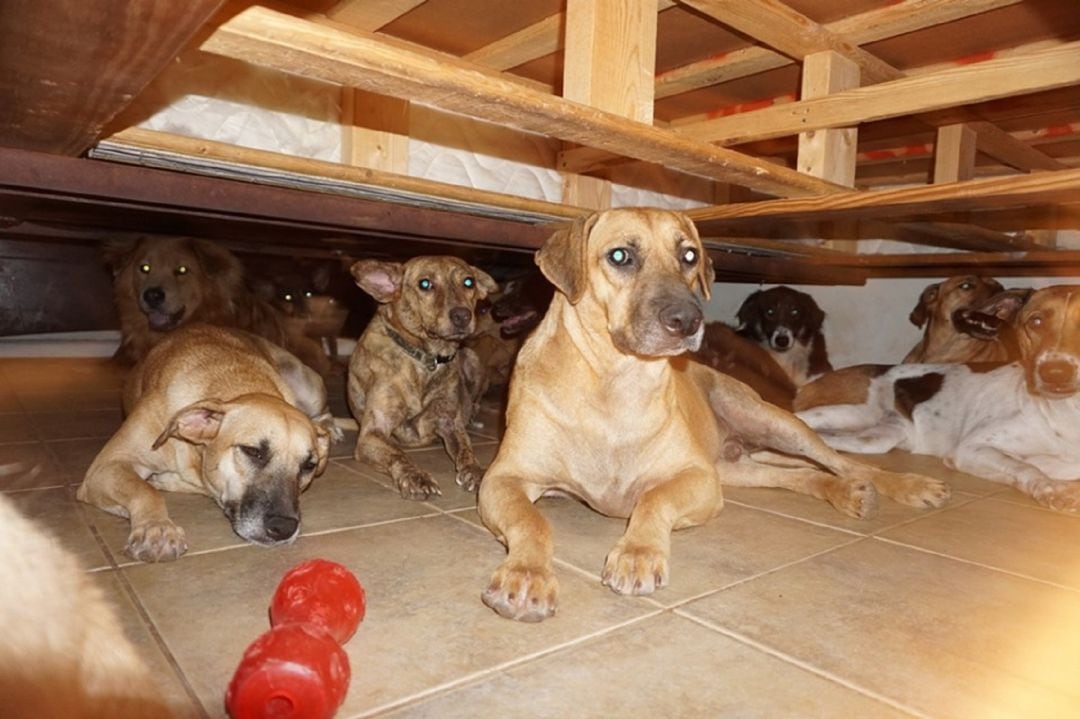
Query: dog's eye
point(287, 297)
point(145, 268)
point(308, 293)
point(769, 312)
point(469, 282)
point(689, 256)
point(967, 286)
point(308, 465)
point(1035, 322)
point(620, 257)
point(424, 284)
point(182, 270)
point(795, 313)
point(255, 454)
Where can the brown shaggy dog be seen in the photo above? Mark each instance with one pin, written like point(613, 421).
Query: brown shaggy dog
point(161, 283)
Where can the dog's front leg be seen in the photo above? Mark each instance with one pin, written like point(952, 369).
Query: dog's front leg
point(375, 447)
point(459, 447)
point(639, 562)
point(524, 586)
point(991, 463)
point(114, 486)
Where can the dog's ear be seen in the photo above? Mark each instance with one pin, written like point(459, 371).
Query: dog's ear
point(484, 282)
point(749, 311)
point(921, 313)
point(706, 274)
point(320, 278)
point(197, 423)
point(381, 280)
point(117, 252)
point(322, 448)
point(217, 261)
point(815, 317)
point(564, 260)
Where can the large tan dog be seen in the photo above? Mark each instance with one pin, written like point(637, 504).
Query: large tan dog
point(943, 340)
point(217, 412)
point(411, 380)
point(602, 408)
point(63, 654)
point(161, 283)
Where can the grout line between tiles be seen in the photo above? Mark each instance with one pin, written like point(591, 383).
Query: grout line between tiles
point(804, 520)
point(973, 563)
point(503, 666)
point(806, 666)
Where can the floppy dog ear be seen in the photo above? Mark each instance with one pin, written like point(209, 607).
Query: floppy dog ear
point(117, 252)
point(197, 423)
point(322, 448)
point(706, 274)
point(563, 258)
point(921, 313)
point(216, 260)
point(815, 317)
point(749, 310)
point(381, 280)
point(487, 285)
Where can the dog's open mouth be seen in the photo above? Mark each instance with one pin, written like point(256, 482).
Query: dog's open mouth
point(516, 324)
point(164, 321)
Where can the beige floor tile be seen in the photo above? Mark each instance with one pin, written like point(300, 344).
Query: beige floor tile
point(29, 465)
point(77, 424)
point(739, 543)
point(338, 499)
point(162, 668)
point(425, 625)
point(677, 669)
point(945, 637)
point(1023, 539)
point(74, 456)
point(61, 515)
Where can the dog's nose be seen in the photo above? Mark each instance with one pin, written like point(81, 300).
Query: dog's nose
point(279, 527)
point(153, 296)
point(782, 342)
point(1057, 372)
point(681, 319)
point(461, 317)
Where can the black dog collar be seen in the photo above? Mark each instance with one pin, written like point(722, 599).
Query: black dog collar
point(427, 359)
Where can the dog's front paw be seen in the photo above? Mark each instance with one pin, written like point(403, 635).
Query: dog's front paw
point(635, 569)
point(916, 490)
point(1059, 495)
point(158, 541)
point(469, 477)
point(527, 594)
point(417, 484)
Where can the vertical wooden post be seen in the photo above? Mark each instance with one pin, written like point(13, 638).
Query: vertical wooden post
point(374, 131)
point(829, 154)
point(610, 64)
point(954, 154)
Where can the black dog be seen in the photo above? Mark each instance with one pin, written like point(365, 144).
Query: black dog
point(787, 323)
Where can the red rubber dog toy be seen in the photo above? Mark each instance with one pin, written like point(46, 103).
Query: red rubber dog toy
point(298, 670)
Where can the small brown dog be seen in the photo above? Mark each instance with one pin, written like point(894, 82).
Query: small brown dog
point(410, 377)
point(161, 283)
point(218, 412)
point(943, 340)
point(602, 408)
point(725, 350)
point(64, 653)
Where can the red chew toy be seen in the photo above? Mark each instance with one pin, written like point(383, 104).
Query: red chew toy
point(298, 670)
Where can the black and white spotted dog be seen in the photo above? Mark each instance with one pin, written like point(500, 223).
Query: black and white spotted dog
point(787, 323)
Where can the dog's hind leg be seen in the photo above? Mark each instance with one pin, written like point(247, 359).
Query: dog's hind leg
point(638, 564)
point(856, 499)
point(762, 425)
point(524, 586)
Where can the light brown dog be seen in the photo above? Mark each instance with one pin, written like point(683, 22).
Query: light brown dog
point(603, 408)
point(63, 654)
point(218, 412)
point(411, 380)
point(942, 341)
point(161, 283)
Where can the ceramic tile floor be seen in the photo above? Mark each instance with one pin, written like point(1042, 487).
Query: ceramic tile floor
point(779, 608)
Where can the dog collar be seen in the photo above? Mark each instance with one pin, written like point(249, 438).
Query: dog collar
point(427, 359)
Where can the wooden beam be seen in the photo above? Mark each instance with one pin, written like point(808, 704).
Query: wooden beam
point(829, 153)
point(954, 154)
point(289, 44)
point(1061, 186)
point(990, 80)
point(1009, 150)
point(881, 23)
point(372, 14)
point(68, 67)
point(374, 131)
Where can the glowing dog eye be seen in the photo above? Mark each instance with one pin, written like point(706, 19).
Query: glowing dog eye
point(308, 293)
point(182, 270)
point(424, 284)
point(620, 257)
point(288, 297)
point(689, 257)
point(967, 286)
point(145, 268)
point(469, 282)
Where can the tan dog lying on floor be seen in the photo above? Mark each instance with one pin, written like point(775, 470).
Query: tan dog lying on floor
point(411, 380)
point(217, 412)
point(942, 341)
point(602, 408)
point(63, 654)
